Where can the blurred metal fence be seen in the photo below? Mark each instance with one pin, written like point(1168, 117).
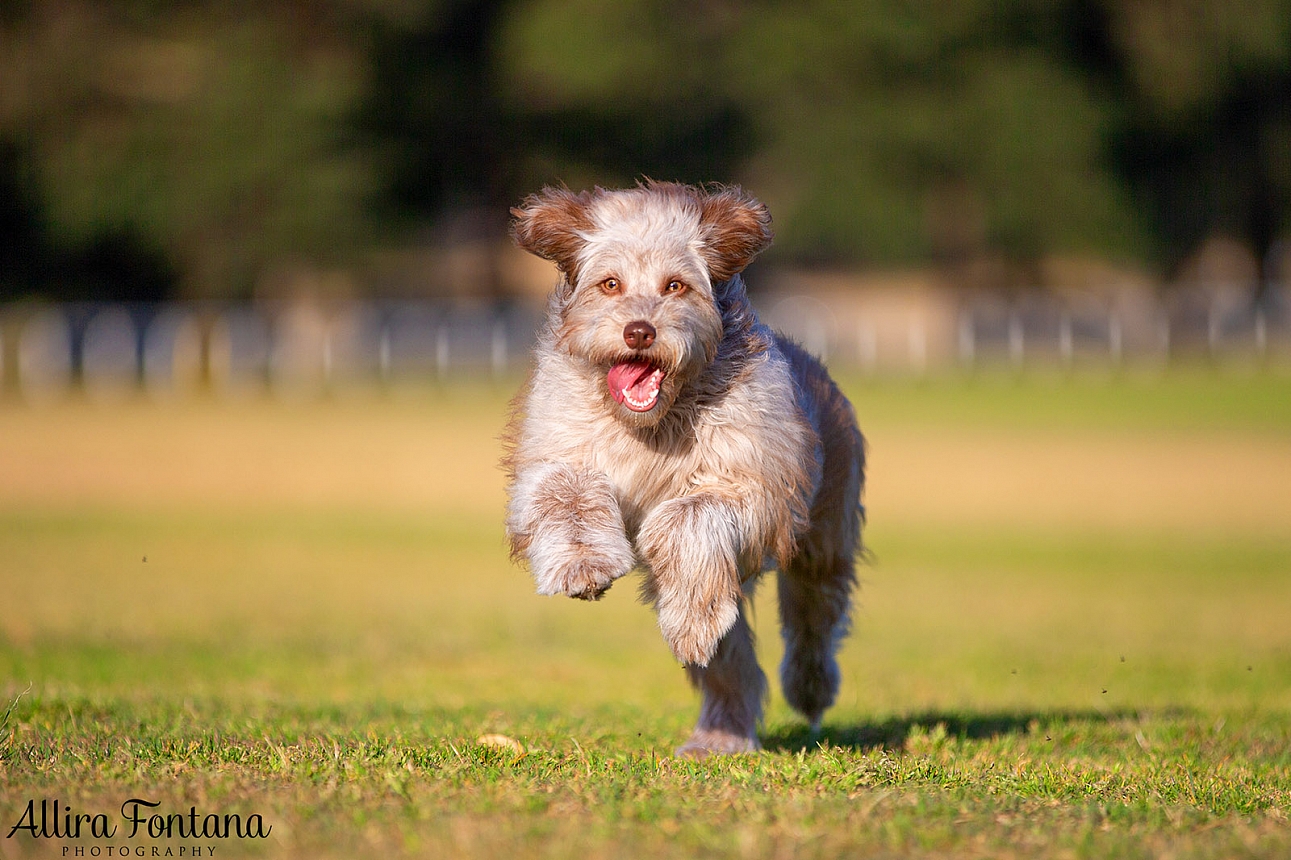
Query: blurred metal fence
point(112, 352)
point(930, 331)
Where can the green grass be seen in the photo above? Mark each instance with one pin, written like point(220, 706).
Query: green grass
point(1014, 686)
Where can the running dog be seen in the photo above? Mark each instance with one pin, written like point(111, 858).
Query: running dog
point(665, 428)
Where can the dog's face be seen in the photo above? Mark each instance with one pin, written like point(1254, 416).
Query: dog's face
point(637, 301)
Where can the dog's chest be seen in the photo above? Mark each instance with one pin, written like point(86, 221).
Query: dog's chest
point(749, 442)
point(642, 476)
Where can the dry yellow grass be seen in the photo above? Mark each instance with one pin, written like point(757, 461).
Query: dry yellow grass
point(434, 457)
point(1082, 480)
point(439, 456)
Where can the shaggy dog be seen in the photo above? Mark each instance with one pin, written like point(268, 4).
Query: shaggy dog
point(665, 428)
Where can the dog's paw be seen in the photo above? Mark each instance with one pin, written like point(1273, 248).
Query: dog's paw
point(694, 630)
point(587, 581)
point(705, 742)
point(582, 564)
point(810, 679)
point(582, 578)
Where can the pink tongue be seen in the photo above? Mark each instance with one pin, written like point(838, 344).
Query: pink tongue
point(633, 376)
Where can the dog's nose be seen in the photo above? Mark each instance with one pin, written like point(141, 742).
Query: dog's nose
point(639, 334)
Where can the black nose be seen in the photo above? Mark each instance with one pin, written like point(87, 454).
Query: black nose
point(639, 334)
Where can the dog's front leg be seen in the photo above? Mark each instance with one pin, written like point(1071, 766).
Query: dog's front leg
point(692, 546)
point(567, 523)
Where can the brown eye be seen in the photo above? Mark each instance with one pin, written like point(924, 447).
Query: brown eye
point(610, 285)
point(674, 286)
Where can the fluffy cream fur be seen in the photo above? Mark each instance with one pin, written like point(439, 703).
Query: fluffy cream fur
point(749, 458)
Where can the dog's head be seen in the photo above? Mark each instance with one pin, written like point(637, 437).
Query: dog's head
point(642, 270)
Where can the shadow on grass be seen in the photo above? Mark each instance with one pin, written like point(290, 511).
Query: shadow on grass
point(892, 733)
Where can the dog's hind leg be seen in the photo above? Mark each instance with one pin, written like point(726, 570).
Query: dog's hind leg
point(816, 585)
point(815, 597)
point(733, 689)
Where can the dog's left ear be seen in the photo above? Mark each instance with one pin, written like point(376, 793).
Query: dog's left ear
point(552, 225)
point(736, 228)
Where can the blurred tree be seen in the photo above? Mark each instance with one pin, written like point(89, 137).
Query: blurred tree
point(433, 110)
point(203, 132)
point(463, 134)
point(22, 237)
point(203, 143)
point(113, 264)
point(447, 150)
point(611, 93)
point(1206, 136)
point(950, 131)
point(886, 132)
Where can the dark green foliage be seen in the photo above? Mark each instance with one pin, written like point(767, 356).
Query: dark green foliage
point(22, 250)
point(235, 139)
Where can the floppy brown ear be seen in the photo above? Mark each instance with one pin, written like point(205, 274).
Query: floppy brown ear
point(552, 224)
point(737, 228)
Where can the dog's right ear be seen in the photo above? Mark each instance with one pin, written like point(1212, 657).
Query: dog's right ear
point(553, 224)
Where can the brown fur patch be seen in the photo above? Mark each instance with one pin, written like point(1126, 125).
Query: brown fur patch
point(552, 224)
point(737, 228)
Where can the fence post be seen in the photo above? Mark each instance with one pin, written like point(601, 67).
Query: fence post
point(867, 347)
point(1017, 347)
point(499, 347)
point(327, 355)
point(967, 338)
point(1212, 328)
point(917, 337)
point(441, 351)
point(45, 357)
point(383, 353)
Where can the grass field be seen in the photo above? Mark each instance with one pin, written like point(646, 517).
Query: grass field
point(1073, 638)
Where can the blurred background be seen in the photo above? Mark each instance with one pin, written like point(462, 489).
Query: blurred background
point(222, 195)
point(260, 322)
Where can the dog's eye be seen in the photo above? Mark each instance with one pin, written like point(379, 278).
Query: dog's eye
point(674, 286)
point(610, 285)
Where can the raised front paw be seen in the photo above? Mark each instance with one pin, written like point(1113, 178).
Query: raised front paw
point(580, 569)
point(567, 523)
point(581, 578)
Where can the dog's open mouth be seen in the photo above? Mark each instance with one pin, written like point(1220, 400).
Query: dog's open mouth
point(635, 384)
